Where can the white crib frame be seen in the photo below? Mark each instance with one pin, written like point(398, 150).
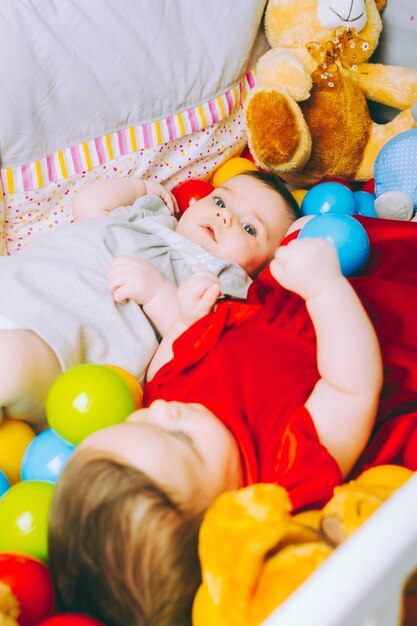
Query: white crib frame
point(362, 581)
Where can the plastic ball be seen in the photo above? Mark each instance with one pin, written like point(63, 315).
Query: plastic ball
point(30, 587)
point(45, 457)
point(71, 619)
point(15, 436)
point(87, 398)
point(24, 512)
point(347, 235)
point(299, 195)
point(365, 203)
point(189, 191)
point(369, 186)
point(133, 383)
point(329, 198)
point(231, 168)
point(247, 154)
point(4, 483)
point(338, 180)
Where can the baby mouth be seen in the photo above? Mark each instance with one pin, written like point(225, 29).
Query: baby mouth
point(210, 231)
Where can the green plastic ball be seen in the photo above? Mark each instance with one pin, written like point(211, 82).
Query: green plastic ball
point(87, 398)
point(24, 513)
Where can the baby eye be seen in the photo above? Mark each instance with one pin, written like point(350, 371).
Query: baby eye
point(219, 202)
point(251, 230)
point(179, 434)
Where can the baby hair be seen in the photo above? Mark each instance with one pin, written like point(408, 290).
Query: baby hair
point(275, 182)
point(121, 549)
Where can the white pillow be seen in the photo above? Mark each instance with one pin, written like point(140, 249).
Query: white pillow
point(73, 70)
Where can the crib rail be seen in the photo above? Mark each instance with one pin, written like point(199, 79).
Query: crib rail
point(361, 583)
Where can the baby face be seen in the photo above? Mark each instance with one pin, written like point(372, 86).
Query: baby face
point(183, 447)
point(243, 220)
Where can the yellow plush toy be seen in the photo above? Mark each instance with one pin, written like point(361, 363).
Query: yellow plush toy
point(254, 554)
point(307, 117)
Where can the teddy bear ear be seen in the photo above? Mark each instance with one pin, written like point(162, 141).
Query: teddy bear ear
point(380, 4)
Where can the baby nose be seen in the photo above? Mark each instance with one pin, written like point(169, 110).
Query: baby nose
point(225, 216)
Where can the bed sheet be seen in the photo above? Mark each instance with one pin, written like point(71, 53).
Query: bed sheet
point(116, 88)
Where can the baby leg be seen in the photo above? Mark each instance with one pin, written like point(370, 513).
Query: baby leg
point(28, 367)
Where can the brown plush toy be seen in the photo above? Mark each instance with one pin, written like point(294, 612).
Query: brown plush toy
point(254, 554)
point(307, 117)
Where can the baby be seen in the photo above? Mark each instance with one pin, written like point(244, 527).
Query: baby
point(246, 398)
point(69, 298)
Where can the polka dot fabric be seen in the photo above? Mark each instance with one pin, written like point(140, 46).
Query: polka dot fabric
point(396, 166)
point(3, 246)
point(30, 213)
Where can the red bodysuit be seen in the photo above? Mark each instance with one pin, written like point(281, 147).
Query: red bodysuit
point(254, 365)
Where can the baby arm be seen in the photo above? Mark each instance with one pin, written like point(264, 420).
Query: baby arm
point(196, 297)
point(344, 401)
point(138, 280)
point(102, 196)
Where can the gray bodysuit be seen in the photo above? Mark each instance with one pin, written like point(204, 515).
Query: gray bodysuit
point(58, 286)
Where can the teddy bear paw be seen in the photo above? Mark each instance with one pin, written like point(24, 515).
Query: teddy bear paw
point(278, 135)
point(394, 205)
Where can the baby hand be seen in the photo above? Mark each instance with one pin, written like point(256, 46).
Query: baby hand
point(306, 266)
point(197, 296)
point(134, 279)
point(165, 195)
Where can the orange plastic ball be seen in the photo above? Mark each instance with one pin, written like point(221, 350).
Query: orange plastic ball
point(134, 385)
point(15, 436)
point(231, 168)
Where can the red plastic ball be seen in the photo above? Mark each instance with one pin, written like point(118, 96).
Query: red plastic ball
point(247, 154)
point(369, 186)
point(338, 180)
point(189, 191)
point(71, 619)
point(29, 581)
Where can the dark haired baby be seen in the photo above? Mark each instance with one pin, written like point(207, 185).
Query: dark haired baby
point(58, 307)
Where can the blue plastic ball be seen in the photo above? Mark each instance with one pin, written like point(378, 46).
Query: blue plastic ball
point(4, 483)
point(45, 457)
point(348, 236)
point(328, 198)
point(365, 202)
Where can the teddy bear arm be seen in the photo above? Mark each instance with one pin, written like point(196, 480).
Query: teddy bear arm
point(237, 532)
point(388, 84)
point(286, 69)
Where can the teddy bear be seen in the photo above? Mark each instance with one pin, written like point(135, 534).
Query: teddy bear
point(307, 117)
point(254, 553)
point(395, 173)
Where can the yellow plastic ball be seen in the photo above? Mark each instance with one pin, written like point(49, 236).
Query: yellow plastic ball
point(299, 195)
point(231, 168)
point(393, 476)
point(15, 436)
point(134, 385)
